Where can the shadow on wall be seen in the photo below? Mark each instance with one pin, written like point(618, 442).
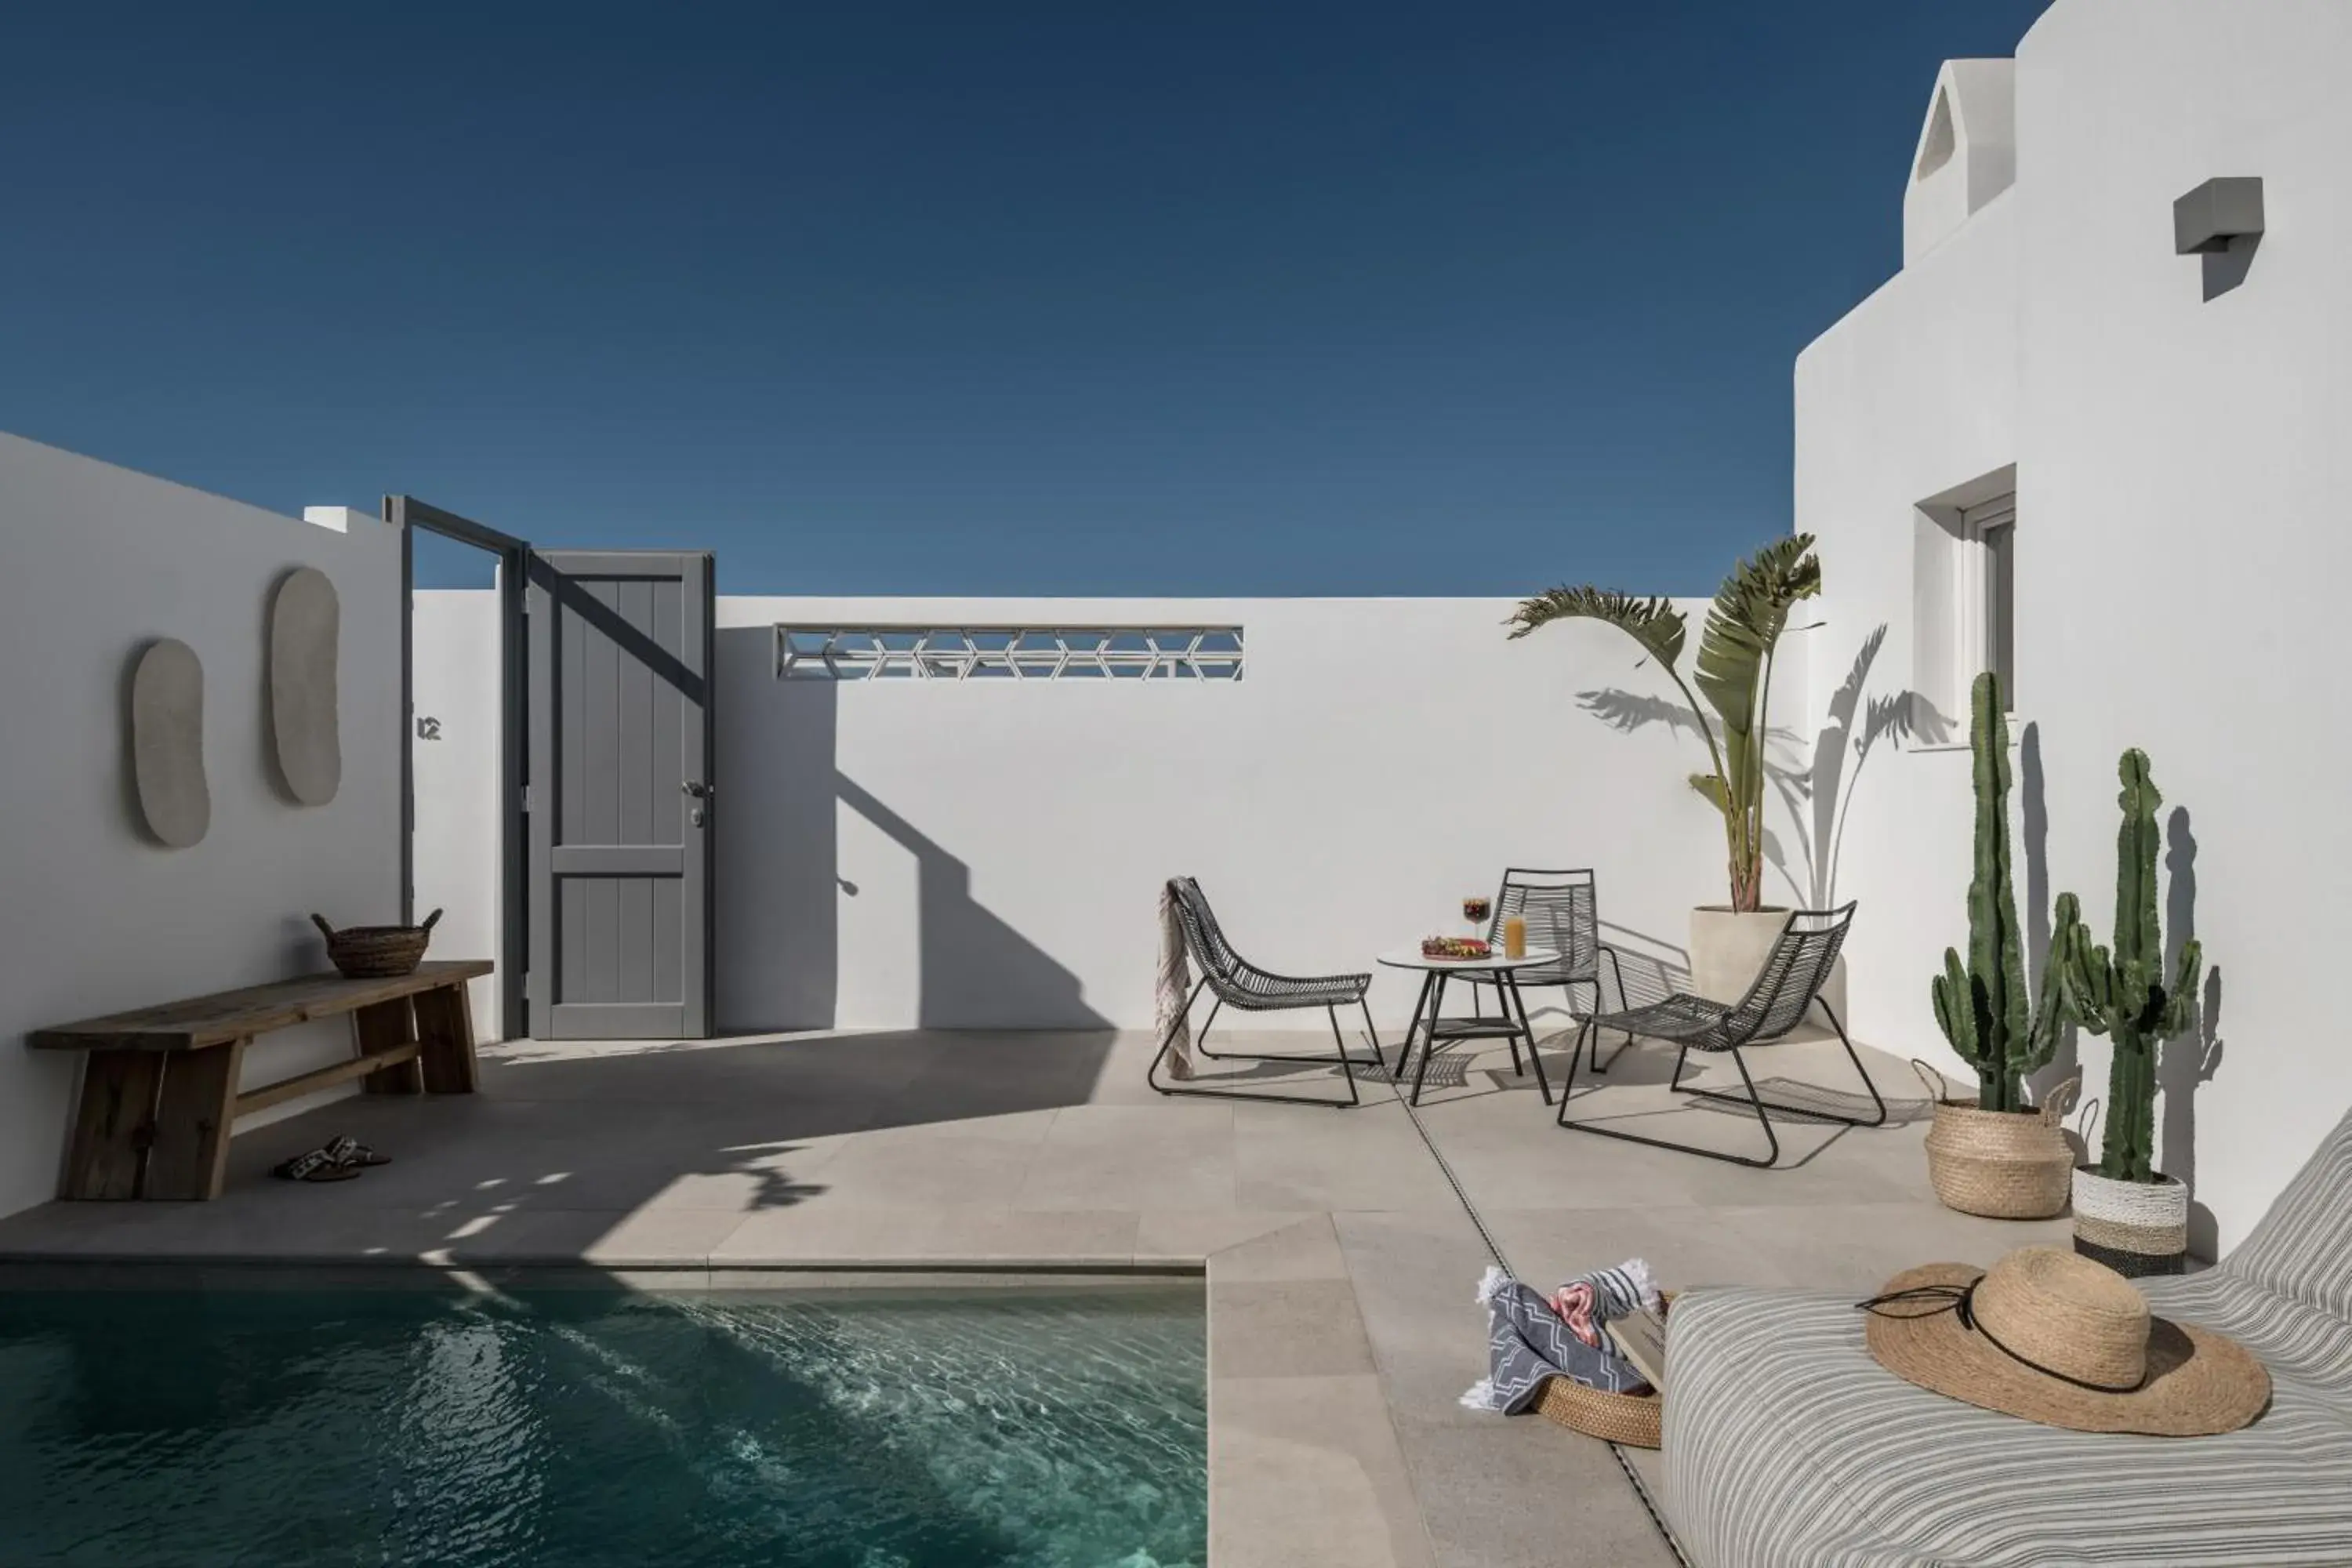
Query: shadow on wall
point(780, 879)
point(2190, 1060)
point(1817, 793)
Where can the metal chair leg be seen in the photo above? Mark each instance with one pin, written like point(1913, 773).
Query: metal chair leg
point(1347, 1063)
point(1379, 1058)
point(1618, 970)
point(1167, 1040)
point(1805, 1110)
point(1200, 1037)
point(1753, 1102)
point(1568, 1085)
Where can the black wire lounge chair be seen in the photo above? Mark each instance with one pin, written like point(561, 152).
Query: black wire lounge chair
point(1234, 982)
point(1563, 914)
point(1789, 983)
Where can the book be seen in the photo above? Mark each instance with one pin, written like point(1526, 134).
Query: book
point(1640, 1338)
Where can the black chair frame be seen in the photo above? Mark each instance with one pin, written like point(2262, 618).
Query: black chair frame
point(1566, 917)
point(1233, 981)
point(1786, 988)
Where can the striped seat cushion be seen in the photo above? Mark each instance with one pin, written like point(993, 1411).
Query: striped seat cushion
point(1787, 1445)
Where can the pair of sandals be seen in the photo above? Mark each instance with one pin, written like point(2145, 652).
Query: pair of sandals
point(337, 1160)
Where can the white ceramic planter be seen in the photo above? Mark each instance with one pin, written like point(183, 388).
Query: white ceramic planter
point(1727, 949)
point(2134, 1227)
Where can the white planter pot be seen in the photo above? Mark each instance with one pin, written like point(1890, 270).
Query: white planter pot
point(1727, 949)
point(2134, 1227)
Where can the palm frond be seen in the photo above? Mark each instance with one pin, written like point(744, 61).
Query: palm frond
point(1750, 613)
point(1710, 785)
point(1655, 623)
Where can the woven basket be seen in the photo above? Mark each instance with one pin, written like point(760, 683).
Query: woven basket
point(372, 952)
point(2136, 1228)
point(1628, 1418)
point(2003, 1164)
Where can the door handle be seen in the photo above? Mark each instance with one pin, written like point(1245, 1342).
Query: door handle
point(698, 789)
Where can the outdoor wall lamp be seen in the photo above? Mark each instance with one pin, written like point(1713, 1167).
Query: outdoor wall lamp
point(2221, 222)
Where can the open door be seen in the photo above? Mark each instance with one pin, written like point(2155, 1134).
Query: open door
point(620, 799)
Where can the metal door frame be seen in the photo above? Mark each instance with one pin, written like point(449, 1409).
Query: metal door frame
point(407, 514)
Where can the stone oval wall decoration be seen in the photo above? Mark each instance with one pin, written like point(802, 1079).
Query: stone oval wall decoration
point(305, 627)
point(167, 743)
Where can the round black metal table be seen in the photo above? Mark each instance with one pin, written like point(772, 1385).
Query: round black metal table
point(1432, 1028)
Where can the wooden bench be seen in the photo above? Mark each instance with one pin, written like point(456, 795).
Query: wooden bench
point(159, 1094)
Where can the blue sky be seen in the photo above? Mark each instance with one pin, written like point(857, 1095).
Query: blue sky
point(1203, 299)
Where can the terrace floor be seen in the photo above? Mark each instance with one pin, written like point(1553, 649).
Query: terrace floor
point(1340, 1258)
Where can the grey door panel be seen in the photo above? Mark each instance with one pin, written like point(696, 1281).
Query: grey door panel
point(620, 794)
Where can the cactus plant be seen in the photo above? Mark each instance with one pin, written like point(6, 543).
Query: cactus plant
point(1984, 1008)
point(2121, 994)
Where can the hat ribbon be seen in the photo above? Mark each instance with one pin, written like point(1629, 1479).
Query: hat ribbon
point(1959, 1301)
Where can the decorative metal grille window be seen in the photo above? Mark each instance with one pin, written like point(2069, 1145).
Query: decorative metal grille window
point(1008, 653)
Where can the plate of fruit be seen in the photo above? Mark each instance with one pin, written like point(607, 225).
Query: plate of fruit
point(1460, 948)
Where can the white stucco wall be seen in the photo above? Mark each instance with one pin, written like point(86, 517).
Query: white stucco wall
point(990, 853)
point(2181, 468)
point(454, 740)
point(96, 562)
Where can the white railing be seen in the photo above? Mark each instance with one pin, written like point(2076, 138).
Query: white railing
point(901, 652)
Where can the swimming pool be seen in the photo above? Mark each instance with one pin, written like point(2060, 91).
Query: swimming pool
point(944, 1428)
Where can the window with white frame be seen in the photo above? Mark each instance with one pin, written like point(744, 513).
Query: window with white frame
point(1990, 531)
point(1964, 594)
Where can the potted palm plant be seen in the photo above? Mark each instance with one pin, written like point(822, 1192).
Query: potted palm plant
point(1995, 1155)
point(1728, 941)
point(2128, 1214)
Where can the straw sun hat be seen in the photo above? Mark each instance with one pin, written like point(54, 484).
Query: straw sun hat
point(2060, 1340)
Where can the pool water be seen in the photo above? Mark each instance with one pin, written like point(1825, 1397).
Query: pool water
point(940, 1429)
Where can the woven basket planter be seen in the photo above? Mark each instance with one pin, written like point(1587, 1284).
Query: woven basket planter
point(372, 952)
point(2136, 1228)
point(1628, 1418)
point(2003, 1164)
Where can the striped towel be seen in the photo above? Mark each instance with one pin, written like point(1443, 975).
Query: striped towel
point(1528, 1339)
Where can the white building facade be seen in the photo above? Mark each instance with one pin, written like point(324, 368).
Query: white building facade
point(2054, 443)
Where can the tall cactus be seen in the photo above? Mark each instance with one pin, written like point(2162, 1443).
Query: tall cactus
point(2122, 994)
point(1984, 1009)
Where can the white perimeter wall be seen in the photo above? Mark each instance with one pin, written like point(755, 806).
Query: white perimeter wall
point(95, 563)
point(990, 854)
point(2182, 468)
point(454, 743)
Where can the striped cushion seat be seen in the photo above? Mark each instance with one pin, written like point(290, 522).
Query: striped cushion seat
point(1787, 1445)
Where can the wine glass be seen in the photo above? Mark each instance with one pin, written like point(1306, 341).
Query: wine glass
point(1476, 912)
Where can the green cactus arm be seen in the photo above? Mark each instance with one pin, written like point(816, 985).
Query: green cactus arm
point(1954, 1013)
point(2139, 937)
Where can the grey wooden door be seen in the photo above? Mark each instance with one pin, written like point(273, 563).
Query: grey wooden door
point(621, 794)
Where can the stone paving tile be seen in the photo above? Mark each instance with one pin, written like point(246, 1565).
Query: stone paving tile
point(1285, 1328)
point(1118, 1156)
point(1305, 1471)
point(1245, 1243)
